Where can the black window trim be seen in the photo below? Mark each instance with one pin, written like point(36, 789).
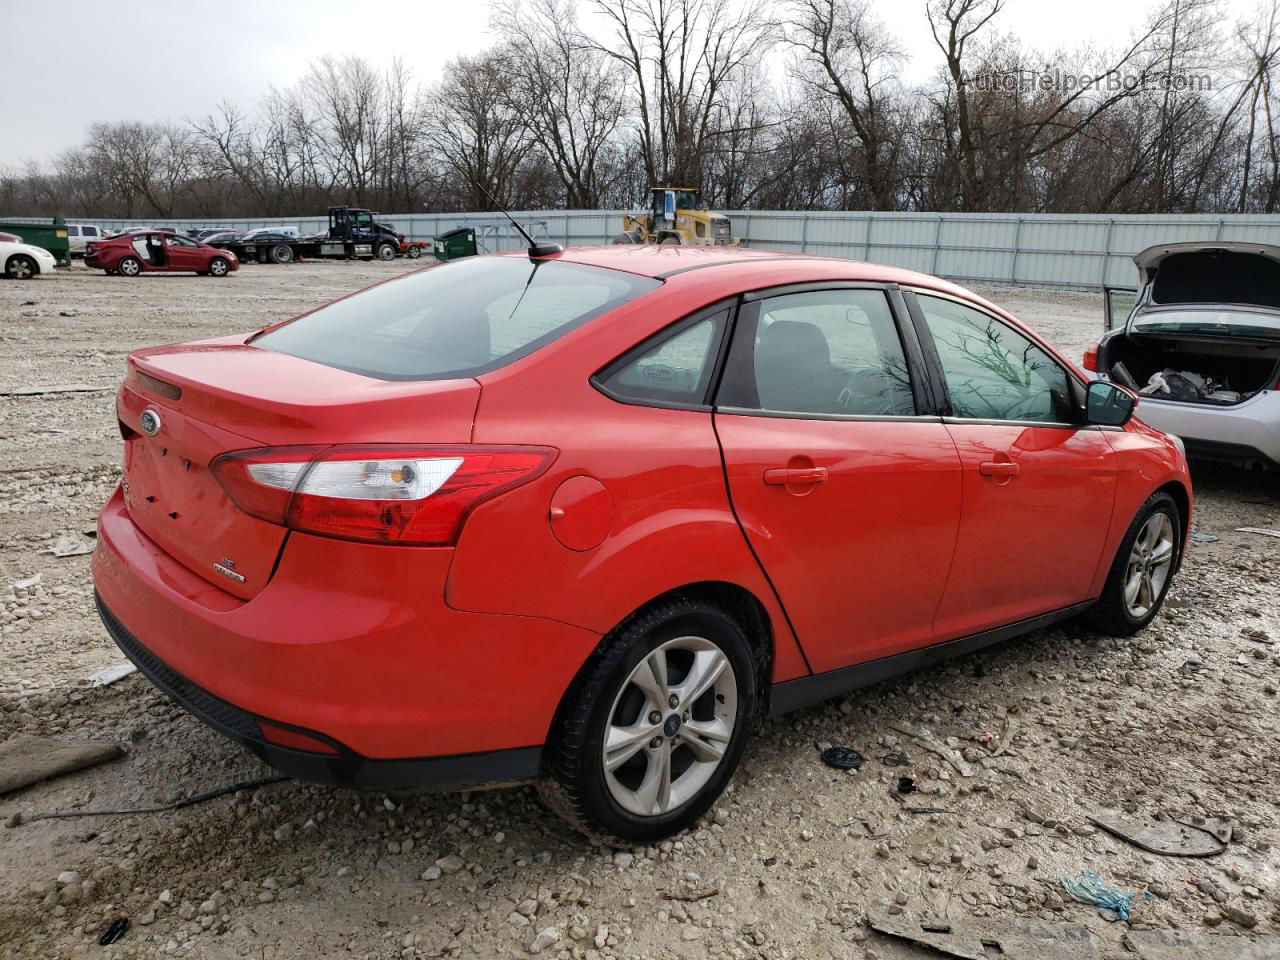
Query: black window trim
point(938, 378)
point(921, 392)
point(727, 306)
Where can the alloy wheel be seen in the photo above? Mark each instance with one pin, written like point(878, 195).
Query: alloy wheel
point(669, 726)
point(20, 268)
point(218, 267)
point(1150, 562)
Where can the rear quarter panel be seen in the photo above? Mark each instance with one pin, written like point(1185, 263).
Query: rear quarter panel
point(671, 522)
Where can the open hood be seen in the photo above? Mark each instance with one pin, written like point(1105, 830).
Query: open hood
point(1211, 272)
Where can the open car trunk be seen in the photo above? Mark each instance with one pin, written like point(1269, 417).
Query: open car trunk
point(1192, 371)
point(1207, 324)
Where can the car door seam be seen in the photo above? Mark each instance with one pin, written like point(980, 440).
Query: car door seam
point(955, 542)
point(728, 492)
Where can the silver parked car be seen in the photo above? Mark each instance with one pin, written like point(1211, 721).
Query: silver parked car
point(1200, 342)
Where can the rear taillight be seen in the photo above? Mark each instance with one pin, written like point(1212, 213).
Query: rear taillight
point(381, 493)
point(1091, 357)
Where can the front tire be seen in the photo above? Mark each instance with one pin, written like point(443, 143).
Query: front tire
point(129, 267)
point(654, 725)
point(219, 267)
point(1142, 571)
point(386, 252)
point(20, 267)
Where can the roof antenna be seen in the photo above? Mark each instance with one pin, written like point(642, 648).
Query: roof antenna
point(536, 248)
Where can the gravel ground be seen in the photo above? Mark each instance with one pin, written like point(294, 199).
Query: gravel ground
point(1179, 721)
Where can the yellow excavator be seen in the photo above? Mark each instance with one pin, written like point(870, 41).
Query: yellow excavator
point(677, 215)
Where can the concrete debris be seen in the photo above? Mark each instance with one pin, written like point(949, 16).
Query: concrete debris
point(1021, 939)
point(1167, 838)
point(1192, 945)
point(70, 545)
point(27, 759)
point(1262, 530)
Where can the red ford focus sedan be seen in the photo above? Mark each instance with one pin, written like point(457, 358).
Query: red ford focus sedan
point(148, 251)
point(583, 518)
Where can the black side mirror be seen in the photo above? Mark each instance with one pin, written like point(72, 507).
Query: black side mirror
point(1108, 405)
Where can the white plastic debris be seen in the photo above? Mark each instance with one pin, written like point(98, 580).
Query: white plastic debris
point(109, 675)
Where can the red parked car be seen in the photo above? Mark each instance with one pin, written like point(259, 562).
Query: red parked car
point(583, 518)
point(145, 251)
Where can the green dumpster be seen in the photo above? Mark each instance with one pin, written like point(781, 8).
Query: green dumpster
point(456, 243)
point(50, 234)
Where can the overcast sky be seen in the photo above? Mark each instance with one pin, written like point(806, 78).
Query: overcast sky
point(166, 60)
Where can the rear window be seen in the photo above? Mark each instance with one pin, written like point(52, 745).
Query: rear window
point(456, 320)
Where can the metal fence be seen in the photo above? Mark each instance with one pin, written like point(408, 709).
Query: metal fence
point(1074, 250)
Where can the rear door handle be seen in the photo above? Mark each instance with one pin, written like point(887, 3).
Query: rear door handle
point(998, 468)
point(794, 476)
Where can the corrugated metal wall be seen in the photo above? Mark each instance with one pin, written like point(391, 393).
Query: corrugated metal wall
point(1084, 250)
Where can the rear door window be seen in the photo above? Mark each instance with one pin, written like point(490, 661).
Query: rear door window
point(459, 319)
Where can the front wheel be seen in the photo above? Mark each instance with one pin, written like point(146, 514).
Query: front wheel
point(386, 252)
point(218, 267)
point(20, 267)
point(1142, 571)
point(654, 725)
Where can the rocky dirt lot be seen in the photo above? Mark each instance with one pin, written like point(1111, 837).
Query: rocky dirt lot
point(1181, 721)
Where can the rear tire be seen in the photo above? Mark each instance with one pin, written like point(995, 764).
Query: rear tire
point(21, 267)
point(129, 267)
point(1142, 571)
point(619, 697)
point(625, 238)
point(413, 253)
point(282, 253)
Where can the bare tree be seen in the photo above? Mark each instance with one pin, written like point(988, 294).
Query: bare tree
point(569, 95)
point(680, 56)
point(849, 58)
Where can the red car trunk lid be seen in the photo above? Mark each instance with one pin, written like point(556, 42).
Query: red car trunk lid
point(211, 398)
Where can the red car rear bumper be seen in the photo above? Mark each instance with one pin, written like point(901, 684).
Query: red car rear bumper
point(351, 644)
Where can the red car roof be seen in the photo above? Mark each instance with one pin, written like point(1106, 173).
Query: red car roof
point(766, 267)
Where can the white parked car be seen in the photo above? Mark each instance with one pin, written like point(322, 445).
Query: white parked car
point(79, 234)
point(1200, 342)
point(22, 261)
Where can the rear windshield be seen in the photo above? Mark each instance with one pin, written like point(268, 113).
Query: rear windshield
point(456, 320)
point(1243, 324)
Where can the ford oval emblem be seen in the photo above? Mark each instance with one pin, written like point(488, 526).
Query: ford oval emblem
point(149, 422)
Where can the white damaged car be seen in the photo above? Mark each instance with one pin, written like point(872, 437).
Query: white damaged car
point(1200, 342)
point(22, 261)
